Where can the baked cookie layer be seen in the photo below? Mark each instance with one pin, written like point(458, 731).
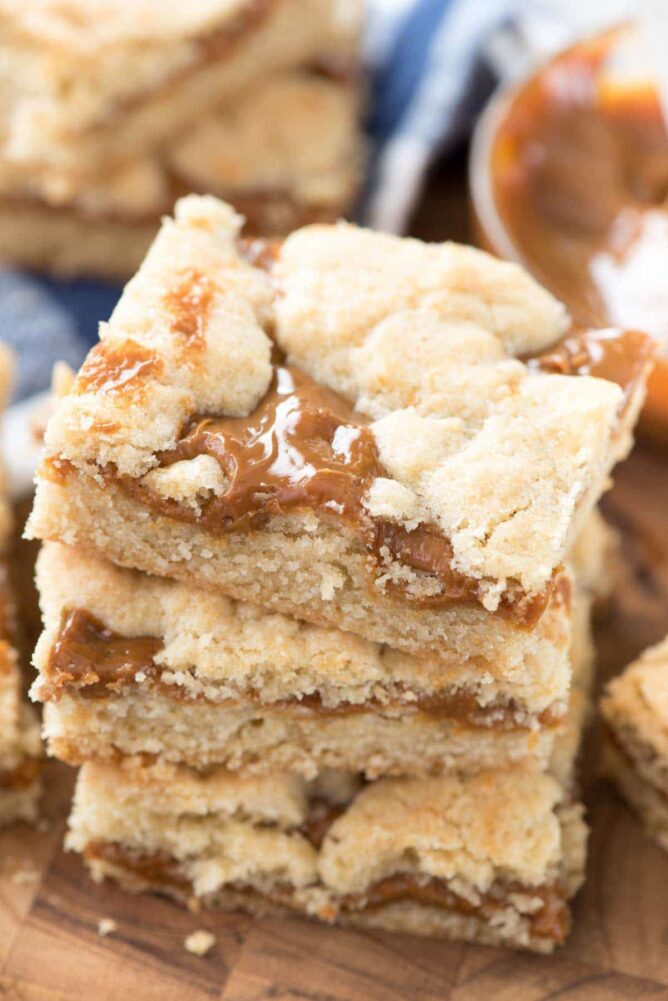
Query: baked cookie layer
point(139, 665)
point(492, 859)
point(417, 505)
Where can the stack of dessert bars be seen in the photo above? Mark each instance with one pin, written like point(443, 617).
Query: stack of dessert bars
point(320, 548)
point(20, 744)
point(112, 111)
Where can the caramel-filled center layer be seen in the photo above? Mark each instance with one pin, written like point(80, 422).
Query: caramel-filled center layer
point(306, 448)
point(214, 46)
point(303, 446)
point(163, 872)
point(95, 662)
point(551, 921)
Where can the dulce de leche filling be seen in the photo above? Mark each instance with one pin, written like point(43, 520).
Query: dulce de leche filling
point(95, 662)
point(162, 871)
point(211, 47)
point(620, 356)
point(305, 448)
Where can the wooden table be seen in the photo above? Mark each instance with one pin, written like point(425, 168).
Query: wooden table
point(50, 948)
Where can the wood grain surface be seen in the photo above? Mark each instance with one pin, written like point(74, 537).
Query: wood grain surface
point(50, 948)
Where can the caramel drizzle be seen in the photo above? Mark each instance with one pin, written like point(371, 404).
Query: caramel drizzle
point(92, 660)
point(619, 356)
point(304, 448)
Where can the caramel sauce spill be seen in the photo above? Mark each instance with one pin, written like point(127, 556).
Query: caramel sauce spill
point(620, 356)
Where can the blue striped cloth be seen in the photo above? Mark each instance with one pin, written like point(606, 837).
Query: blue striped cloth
point(429, 80)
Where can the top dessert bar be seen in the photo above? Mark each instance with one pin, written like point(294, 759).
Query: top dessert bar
point(395, 438)
point(71, 72)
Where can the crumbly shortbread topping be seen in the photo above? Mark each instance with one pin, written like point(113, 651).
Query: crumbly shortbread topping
point(296, 133)
point(78, 75)
point(494, 827)
point(495, 454)
point(477, 829)
point(275, 798)
point(292, 135)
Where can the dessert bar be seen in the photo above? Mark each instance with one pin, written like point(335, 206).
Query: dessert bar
point(394, 438)
point(635, 709)
point(136, 665)
point(492, 859)
point(285, 152)
point(88, 85)
point(20, 746)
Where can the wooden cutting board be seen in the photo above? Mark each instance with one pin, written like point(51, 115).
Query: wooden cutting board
point(50, 948)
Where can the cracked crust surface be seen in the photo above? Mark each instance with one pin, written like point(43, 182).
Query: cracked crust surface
point(508, 829)
point(635, 707)
point(451, 431)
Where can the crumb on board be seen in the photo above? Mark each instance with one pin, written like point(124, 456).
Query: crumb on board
point(199, 942)
point(25, 876)
point(106, 926)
